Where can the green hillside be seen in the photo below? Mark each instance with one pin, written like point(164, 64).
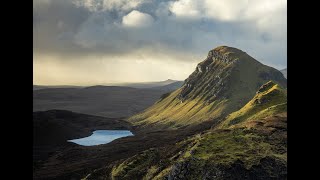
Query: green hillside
point(270, 99)
point(225, 81)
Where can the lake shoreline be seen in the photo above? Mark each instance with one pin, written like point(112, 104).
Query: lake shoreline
point(99, 137)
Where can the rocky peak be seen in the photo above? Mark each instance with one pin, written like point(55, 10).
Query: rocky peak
point(211, 75)
point(222, 83)
point(224, 53)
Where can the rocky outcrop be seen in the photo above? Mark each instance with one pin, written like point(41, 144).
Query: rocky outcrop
point(216, 55)
point(268, 168)
point(266, 86)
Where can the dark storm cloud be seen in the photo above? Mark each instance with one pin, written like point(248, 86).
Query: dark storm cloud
point(117, 27)
point(54, 25)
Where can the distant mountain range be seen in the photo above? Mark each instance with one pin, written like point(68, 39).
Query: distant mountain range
point(169, 87)
point(284, 72)
point(37, 87)
point(107, 101)
point(133, 85)
point(145, 84)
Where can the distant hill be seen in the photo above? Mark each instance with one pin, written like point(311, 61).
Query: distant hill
point(284, 72)
point(107, 101)
point(37, 87)
point(146, 84)
point(170, 87)
point(133, 85)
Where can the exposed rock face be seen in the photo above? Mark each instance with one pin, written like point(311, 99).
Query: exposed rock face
point(209, 66)
point(212, 77)
point(266, 86)
point(268, 168)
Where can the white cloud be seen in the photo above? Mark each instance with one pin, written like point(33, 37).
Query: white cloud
point(226, 10)
point(186, 8)
point(137, 19)
point(265, 16)
point(105, 5)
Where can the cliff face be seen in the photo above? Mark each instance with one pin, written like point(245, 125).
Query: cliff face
point(226, 80)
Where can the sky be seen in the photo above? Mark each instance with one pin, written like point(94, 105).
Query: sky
point(90, 42)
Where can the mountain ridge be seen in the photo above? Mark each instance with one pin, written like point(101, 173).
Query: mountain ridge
point(222, 83)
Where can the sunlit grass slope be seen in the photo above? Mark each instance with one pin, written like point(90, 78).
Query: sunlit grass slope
point(270, 99)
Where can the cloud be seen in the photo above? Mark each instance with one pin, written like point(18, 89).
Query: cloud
point(227, 10)
point(186, 8)
point(182, 31)
point(137, 19)
point(107, 5)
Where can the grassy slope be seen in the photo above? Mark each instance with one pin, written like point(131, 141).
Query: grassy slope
point(254, 147)
point(238, 85)
point(171, 113)
point(270, 99)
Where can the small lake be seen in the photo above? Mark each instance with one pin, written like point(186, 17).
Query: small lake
point(101, 137)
